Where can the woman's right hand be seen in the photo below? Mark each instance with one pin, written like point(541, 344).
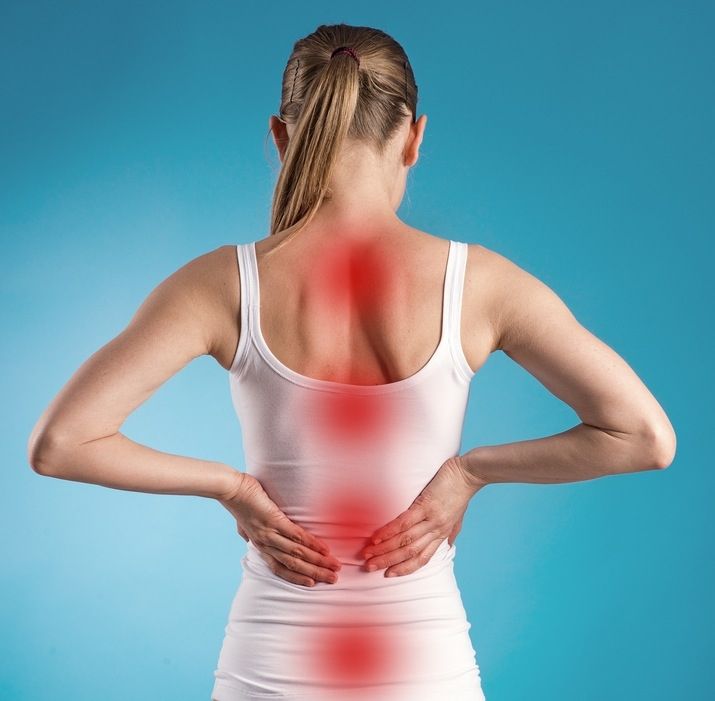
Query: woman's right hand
point(289, 550)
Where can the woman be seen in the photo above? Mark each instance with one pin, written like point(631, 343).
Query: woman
point(350, 339)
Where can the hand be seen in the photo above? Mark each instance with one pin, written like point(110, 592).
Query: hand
point(408, 542)
point(290, 551)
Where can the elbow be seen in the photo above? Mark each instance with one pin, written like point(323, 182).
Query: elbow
point(661, 444)
point(43, 450)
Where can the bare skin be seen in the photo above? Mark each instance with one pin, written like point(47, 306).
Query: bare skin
point(196, 311)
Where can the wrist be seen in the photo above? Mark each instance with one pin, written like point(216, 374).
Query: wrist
point(468, 465)
point(231, 484)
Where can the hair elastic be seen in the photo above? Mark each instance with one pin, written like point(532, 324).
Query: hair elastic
point(346, 50)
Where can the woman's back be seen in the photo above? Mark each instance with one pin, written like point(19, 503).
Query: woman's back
point(341, 459)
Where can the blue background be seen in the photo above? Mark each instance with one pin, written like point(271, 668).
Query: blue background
point(574, 138)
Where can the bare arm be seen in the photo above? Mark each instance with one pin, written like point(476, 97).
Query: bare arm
point(622, 429)
point(78, 438)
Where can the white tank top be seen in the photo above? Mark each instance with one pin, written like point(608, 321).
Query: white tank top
point(341, 460)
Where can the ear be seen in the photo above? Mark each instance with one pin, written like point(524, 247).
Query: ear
point(280, 134)
point(412, 147)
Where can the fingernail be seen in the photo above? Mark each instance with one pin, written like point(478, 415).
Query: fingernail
point(391, 574)
point(366, 555)
point(376, 541)
point(371, 568)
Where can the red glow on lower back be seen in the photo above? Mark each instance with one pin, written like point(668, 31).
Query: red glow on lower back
point(354, 653)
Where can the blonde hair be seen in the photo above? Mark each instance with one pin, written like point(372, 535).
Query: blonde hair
point(363, 96)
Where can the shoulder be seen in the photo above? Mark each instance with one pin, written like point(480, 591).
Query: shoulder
point(206, 280)
point(202, 272)
point(205, 294)
point(506, 296)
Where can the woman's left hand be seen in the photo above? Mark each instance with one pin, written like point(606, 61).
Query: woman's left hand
point(409, 541)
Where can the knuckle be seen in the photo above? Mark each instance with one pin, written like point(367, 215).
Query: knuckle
point(297, 551)
point(281, 558)
point(405, 540)
point(412, 551)
point(423, 498)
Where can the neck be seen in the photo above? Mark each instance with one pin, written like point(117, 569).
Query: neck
point(354, 216)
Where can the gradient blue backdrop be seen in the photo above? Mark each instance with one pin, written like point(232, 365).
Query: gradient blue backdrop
point(574, 138)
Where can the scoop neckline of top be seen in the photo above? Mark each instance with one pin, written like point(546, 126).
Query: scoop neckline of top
point(347, 387)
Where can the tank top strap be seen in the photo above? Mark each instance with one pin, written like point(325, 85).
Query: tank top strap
point(248, 273)
point(453, 296)
point(250, 265)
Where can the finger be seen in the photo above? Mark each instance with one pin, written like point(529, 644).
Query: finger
point(301, 567)
point(294, 532)
point(400, 540)
point(414, 563)
point(284, 572)
point(290, 547)
point(395, 557)
point(405, 520)
point(243, 533)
